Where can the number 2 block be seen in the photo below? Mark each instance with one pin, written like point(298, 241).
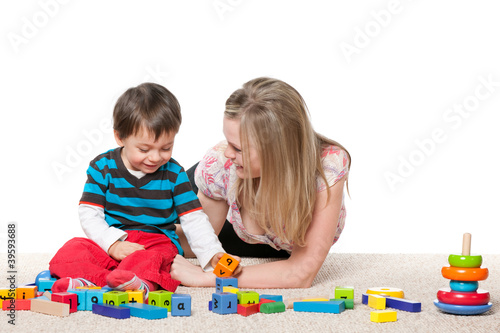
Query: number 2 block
point(226, 266)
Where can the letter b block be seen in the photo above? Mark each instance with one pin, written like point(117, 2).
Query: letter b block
point(161, 298)
point(226, 266)
point(224, 303)
point(181, 305)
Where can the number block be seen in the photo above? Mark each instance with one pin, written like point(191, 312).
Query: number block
point(161, 298)
point(135, 296)
point(68, 298)
point(94, 296)
point(248, 309)
point(81, 298)
point(247, 297)
point(383, 316)
point(146, 311)
point(377, 302)
point(26, 292)
point(221, 282)
point(344, 292)
point(273, 307)
point(226, 266)
point(322, 307)
point(224, 303)
point(112, 311)
point(181, 305)
point(115, 298)
point(49, 307)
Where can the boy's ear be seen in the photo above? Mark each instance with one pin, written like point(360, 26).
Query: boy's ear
point(119, 141)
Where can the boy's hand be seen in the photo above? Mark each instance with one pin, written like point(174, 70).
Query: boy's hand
point(217, 256)
point(119, 250)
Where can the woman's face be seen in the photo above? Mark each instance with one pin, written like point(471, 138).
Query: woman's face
point(231, 129)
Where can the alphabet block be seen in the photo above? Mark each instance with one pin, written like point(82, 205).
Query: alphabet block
point(135, 296)
point(344, 292)
point(376, 301)
point(224, 303)
point(247, 297)
point(221, 282)
point(248, 309)
point(115, 298)
point(181, 305)
point(403, 304)
point(111, 311)
point(49, 307)
point(81, 298)
point(146, 311)
point(162, 298)
point(323, 307)
point(383, 316)
point(226, 266)
point(26, 292)
point(272, 307)
point(68, 298)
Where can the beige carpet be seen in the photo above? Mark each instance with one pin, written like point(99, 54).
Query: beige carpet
point(418, 275)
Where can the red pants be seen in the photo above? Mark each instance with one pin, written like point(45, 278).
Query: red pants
point(83, 258)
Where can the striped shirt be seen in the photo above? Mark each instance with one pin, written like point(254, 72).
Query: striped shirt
point(152, 203)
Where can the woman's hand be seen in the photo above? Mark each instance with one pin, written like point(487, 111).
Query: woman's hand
point(119, 250)
point(191, 275)
point(217, 256)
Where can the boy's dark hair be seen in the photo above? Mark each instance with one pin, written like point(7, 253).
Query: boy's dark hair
point(150, 105)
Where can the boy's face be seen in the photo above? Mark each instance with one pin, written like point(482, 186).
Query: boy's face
point(142, 153)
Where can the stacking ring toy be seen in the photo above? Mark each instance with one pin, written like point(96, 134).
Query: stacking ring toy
point(446, 295)
point(465, 261)
point(462, 309)
point(464, 274)
point(464, 285)
point(386, 291)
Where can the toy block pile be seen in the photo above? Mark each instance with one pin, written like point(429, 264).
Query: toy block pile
point(37, 297)
point(381, 298)
point(463, 296)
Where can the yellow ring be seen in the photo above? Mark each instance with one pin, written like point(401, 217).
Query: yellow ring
point(387, 291)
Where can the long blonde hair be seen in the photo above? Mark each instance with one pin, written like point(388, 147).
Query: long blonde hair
point(275, 120)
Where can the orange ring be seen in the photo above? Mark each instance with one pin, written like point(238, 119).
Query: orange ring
point(464, 274)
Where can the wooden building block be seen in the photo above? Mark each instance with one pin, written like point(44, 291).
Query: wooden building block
point(49, 307)
point(16, 304)
point(226, 266)
point(68, 298)
point(248, 309)
point(181, 305)
point(81, 298)
point(403, 304)
point(323, 307)
point(221, 282)
point(344, 292)
point(7, 294)
point(135, 296)
point(94, 296)
point(349, 303)
point(263, 301)
point(224, 303)
point(46, 284)
point(376, 302)
point(230, 289)
point(247, 297)
point(26, 292)
point(115, 297)
point(276, 298)
point(146, 311)
point(111, 311)
point(162, 298)
point(314, 300)
point(272, 307)
point(383, 316)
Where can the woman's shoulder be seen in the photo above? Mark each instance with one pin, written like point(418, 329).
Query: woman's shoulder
point(335, 162)
point(212, 176)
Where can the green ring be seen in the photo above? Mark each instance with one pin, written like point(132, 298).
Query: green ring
point(457, 260)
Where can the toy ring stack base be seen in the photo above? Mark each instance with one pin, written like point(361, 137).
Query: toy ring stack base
point(462, 309)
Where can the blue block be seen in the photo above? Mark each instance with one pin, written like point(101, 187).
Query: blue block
point(81, 297)
point(146, 311)
point(364, 298)
point(276, 298)
point(112, 311)
point(209, 305)
point(42, 275)
point(324, 307)
point(94, 296)
point(45, 284)
point(221, 282)
point(181, 305)
point(403, 304)
point(224, 303)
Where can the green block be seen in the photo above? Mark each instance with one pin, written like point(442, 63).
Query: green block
point(344, 292)
point(273, 307)
point(349, 303)
point(161, 298)
point(247, 297)
point(115, 298)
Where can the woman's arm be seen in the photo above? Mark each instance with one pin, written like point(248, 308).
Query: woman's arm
point(299, 270)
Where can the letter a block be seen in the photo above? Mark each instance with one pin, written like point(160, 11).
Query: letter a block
point(248, 297)
point(162, 298)
point(181, 305)
point(68, 298)
point(115, 298)
point(224, 303)
point(226, 266)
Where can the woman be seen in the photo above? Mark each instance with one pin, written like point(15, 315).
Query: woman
point(277, 182)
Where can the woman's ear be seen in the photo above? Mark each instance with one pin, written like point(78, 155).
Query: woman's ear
point(119, 141)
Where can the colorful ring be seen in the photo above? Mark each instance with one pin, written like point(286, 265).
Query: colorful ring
point(465, 261)
point(466, 286)
point(479, 297)
point(462, 309)
point(387, 291)
point(464, 274)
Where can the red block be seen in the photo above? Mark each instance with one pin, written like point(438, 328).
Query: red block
point(248, 309)
point(264, 300)
point(19, 304)
point(68, 298)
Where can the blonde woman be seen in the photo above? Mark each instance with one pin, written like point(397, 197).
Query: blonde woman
point(273, 184)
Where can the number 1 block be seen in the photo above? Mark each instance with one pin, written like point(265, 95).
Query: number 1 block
point(226, 266)
point(68, 298)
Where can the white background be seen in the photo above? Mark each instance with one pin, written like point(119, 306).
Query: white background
point(378, 76)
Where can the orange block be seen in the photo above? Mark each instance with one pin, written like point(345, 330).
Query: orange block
point(26, 292)
point(226, 266)
point(464, 274)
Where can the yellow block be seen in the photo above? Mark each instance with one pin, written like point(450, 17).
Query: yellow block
point(89, 287)
point(383, 316)
point(6, 294)
point(135, 296)
point(315, 300)
point(230, 289)
point(376, 301)
point(387, 291)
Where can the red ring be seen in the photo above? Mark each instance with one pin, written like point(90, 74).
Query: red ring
point(479, 297)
